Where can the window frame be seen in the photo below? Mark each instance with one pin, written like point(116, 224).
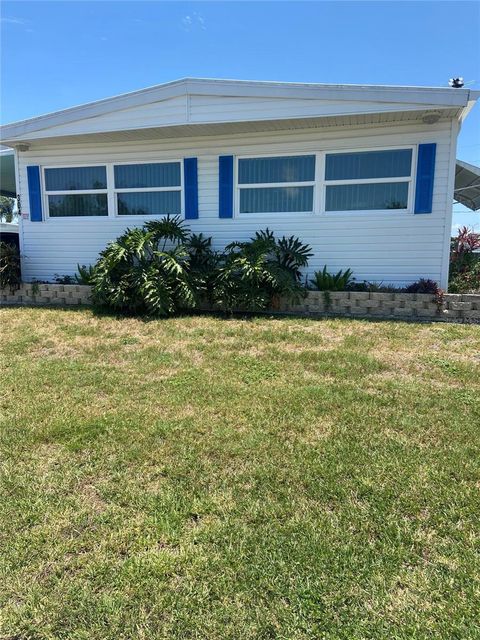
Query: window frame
point(411, 180)
point(110, 191)
point(320, 183)
point(115, 191)
point(248, 185)
point(70, 192)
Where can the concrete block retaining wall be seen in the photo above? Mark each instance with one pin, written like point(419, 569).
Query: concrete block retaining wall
point(47, 294)
point(404, 306)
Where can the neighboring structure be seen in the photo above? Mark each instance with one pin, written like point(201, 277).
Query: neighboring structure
point(467, 185)
point(364, 174)
point(7, 173)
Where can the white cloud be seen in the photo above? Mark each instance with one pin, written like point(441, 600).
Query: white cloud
point(193, 21)
point(12, 20)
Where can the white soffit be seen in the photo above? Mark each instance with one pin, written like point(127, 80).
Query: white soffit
point(260, 95)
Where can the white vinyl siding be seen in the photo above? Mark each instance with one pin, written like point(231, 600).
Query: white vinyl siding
point(389, 247)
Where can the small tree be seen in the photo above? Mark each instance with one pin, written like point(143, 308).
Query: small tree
point(6, 208)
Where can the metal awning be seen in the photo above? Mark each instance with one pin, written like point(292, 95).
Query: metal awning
point(7, 173)
point(467, 185)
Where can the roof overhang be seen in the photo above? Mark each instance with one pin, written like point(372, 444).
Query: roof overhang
point(371, 99)
point(231, 128)
point(467, 185)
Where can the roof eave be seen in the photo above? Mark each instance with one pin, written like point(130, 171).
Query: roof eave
point(433, 96)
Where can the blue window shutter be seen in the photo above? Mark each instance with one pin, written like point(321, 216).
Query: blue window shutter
point(190, 174)
point(425, 177)
point(225, 183)
point(34, 193)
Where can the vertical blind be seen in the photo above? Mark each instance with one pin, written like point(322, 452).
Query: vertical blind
point(276, 199)
point(277, 169)
point(368, 164)
point(138, 176)
point(76, 178)
point(85, 204)
point(139, 203)
point(365, 196)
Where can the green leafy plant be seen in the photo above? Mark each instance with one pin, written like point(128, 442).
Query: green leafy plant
point(145, 270)
point(373, 287)
point(465, 262)
point(467, 281)
point(161, 268)
point(10, 273)
point(203, 265)
point(326, 281)
point(254, 275)
point(6, 208)
point(85, 274)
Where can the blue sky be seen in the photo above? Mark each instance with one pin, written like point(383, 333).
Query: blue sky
point(62, 53)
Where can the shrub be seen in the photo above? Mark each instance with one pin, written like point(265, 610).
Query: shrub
point(373, 287)
point(203, 265)
point(254, 275)
point(464, 263)
point(65, 279)
point(145, 270)
point(6, 208)
point(161, 268)
point(326, 281)
point(423, 285)
point(10, 274)
point(467, 281)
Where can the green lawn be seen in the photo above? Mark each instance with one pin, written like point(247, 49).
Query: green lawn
point(238, 479)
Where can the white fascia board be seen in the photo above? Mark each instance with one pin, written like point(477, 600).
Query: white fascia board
point(432, 96)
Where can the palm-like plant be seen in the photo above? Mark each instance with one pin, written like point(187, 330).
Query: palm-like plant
point(162, 268)
point(326, 281)
point(145, 270)
point(255, 274)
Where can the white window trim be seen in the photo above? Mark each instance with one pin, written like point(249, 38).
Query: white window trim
point(258, 185)
point(71, 192)
point(320, 183)
point(111, 191)
point(116, 190)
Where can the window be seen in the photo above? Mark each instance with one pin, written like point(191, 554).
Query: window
point(148, 189)
point(76, 191)
point(368, 180)
point(276, 184)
